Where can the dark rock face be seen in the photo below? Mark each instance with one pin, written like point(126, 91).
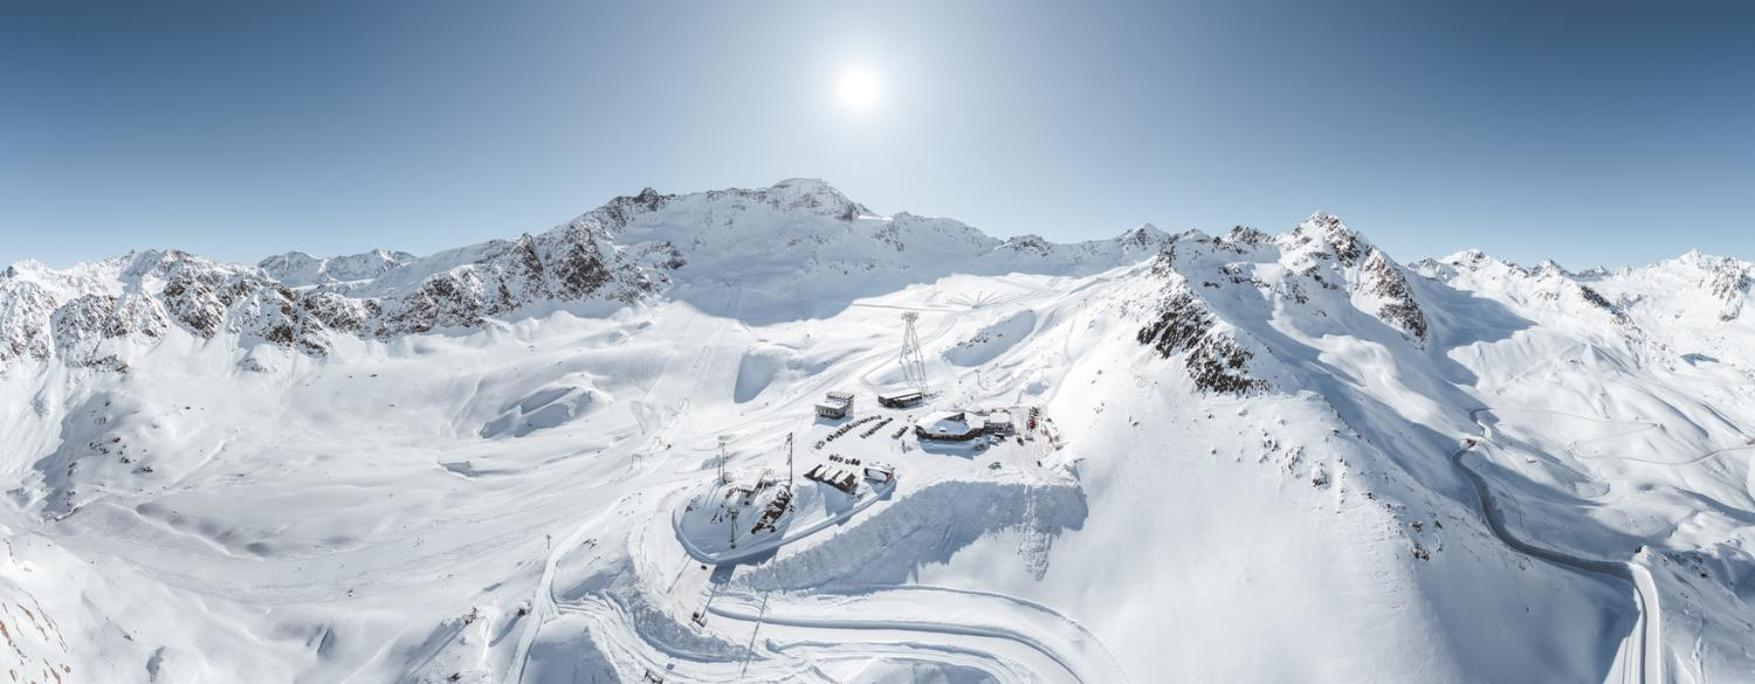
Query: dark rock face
point(573, 263)
point(1595, 298)
point(214, 299)
point(1248, 236)
point(1141, 238)
point(1399, 308)
point(1730, 285)
point(889, 235)
point(619, 211)
point(579, 269)
point(199, 300)
point(1342, 241)
point(25, 310)
point(334, 312)
point(1215, 362)
point(445, 300)
point(82, 326)
point(1030, 244)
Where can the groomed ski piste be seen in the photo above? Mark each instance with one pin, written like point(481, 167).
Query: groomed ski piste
point(876, 631)
point(1233, 458)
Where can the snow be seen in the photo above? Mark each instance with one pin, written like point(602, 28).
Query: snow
point(298, 269)
point(1453, 470)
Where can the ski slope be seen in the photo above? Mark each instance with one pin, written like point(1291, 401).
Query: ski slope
point(1239, 471)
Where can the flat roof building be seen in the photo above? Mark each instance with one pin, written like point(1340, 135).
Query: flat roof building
point(952, 426)
point(835, 405)
point(900, 398)
point(999, 422)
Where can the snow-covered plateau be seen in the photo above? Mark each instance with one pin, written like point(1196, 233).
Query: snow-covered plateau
point(605, 452)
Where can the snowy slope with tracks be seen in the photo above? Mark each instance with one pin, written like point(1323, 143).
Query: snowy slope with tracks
point(1260, 457)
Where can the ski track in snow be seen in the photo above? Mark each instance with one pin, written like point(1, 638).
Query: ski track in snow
point(1082, 658)
point(821, 315)
point(1015, 651)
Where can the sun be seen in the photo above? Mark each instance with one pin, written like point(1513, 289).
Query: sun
point(857, 90)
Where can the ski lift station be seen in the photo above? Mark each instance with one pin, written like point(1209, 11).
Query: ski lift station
point(836, 405)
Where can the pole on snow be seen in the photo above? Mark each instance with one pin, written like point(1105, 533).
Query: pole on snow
point(723, 440)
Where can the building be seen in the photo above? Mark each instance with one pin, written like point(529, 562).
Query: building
point(998, 423)
point(836, 405)
point(900, 399)
point(834, 477)
point(950, 426)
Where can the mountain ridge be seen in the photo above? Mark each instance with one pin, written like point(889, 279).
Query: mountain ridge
point(466, 439)
point(798, 235)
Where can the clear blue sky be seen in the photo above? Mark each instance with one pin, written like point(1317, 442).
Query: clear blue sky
point(1586, 132)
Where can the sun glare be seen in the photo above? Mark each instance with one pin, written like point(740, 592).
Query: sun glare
point(857, 89)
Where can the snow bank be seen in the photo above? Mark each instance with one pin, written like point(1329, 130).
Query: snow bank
point(993, 340)
point(928, 526)
point(546, 408)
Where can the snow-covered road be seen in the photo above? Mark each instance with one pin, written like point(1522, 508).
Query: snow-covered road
point(1647, 638)
point(924, 618)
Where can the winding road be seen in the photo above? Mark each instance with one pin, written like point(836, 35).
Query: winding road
point(1649, 638)
point(999, 627)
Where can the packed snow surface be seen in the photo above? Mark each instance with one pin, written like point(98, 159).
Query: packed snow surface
point(591, 454)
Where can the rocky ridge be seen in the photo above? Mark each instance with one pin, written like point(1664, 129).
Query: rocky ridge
point(624, 253)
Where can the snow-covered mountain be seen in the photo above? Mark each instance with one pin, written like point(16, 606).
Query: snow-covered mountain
point(797, 237)
point(1237, 457)
point(298, 269)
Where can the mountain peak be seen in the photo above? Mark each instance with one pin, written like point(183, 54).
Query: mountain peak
point(1142, 236)
point(1345, 243)
point(298, 269)
point(814, 194)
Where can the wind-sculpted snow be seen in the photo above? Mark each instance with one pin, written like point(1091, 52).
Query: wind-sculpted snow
point(797, 240)
point(928, 527)
point(474, 466)
point(298, 269)
point(139, 294)
point(547, 408)
point(993, 340)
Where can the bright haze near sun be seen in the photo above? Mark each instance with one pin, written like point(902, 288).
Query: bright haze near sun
point(480, 119)
point(857, 89)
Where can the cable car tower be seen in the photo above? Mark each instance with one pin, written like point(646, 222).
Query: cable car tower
point(723, 440)
point(913, 363)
